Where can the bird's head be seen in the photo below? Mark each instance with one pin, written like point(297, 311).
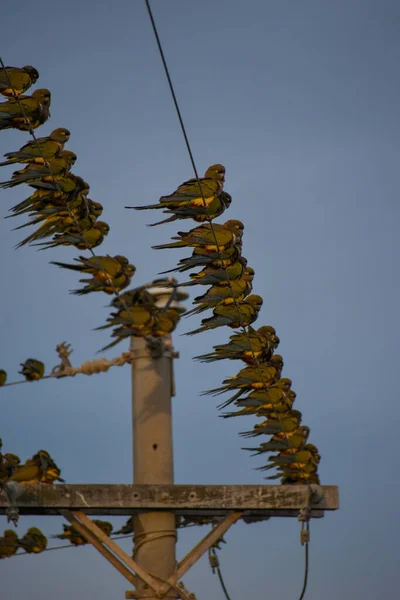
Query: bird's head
point(255, 300)
point(43, 95)
point(284, 384)
point(102, 226)
point(216, 172)
point(68, 156)
point(32, 72)
point(277, 361)
point(9, 534)
point(60, 134)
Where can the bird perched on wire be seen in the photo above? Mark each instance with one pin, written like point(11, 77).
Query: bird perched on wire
point(3, 377)
point(200, 258)
point(109, 274)
point(215, 238)
point(33, 542)
point(77, 539)
point(39, 150)
point(8, 544)
point(275, 423)
point(219, 275)
point(254, 346)
point(41, 468)
point(82, 240)
point(278, 398)
point(232, 313)
point(17, 80)
point(252, 377)
point(8, 464)
point(293, 441)
point(59, 165)
point(32, 369)
point(194, 197)
point(34, 112)
point(293, 461)
point(200, 215)
point(127, 528)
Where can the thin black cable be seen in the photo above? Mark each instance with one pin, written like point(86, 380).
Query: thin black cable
point(120, 537)
point(306, 567)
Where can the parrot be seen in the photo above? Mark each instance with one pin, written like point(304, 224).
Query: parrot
point(199, 214)
point(8, 544)
point(16, 80)
point(35, 107)
point(33, 541)
point(32, 369)
point(59, 165)
point(3, 377)
point(259, 344)
point(77, 539)
point(109, 274)
point(277, 398)
point(212, 239)
point(276, 423)
point(221, 276)
point(257, 377)
point(192, 193)
point(239, 289)
point(8, 464)
point(200, 258)
point(34, 151)
point(64, 183)
point(166, 322)
point(41, 468)
point(302, 458)
point(82, 240)
point(233, 314)
point(127, 528)
point(293, 441)
point(136, 296)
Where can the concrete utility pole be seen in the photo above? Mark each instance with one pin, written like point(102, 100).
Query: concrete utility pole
point(155, 532)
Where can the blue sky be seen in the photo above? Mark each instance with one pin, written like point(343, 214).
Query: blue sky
point(300, 102)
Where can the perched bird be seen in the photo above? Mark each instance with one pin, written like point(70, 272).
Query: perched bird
point(127, 528)
point(17, 80)
point(215, 238)
point(67, 184)
point(32, 369)
point(201, 258)
point(300, 478)
point(199, 214)
point(41, 468)
point(109, 274)
point(299, 460)
point(192, 193)
point(252, 377)
point(233, 314)
point(34, 151)
point(59, 165)
point(76, 539)
point(166, 321)
point(293, 440)
point(33, 541)
point(275, 423)
point(221, 276)
point(8, 544)
point(277, 398)
point(253, 347)
point(35, 107)
point(3, 377)
point(83, 240)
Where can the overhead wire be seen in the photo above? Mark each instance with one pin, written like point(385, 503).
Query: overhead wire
point(121, 537)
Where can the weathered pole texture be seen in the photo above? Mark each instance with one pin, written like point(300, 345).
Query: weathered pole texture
point(154, 532)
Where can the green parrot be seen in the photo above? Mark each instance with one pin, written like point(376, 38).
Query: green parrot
point(301, 478)
point(33, 541)
point(3, 377)
point(109, 274)
point(238, 289)
point(245, 346)
point(252, 377)
point(293, 441)
point(32, 369)
point(82, 240)
point(233, 314)
point(277, 398)
point(199, 214)
point(16, 80)
point(212, 239)
point(59, 165)
point(66, 183)
point(34, 151)
point(76, 539)
point(275, 423)
point(308, 458)
point(8, 544)
point(192, 193)
point(200, 258)
point(8, 464)
point(41, 468)
point(166, 321)
point(212, 276)
point(36, 108)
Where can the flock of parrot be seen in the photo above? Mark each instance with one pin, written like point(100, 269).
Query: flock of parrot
point(258, 389)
